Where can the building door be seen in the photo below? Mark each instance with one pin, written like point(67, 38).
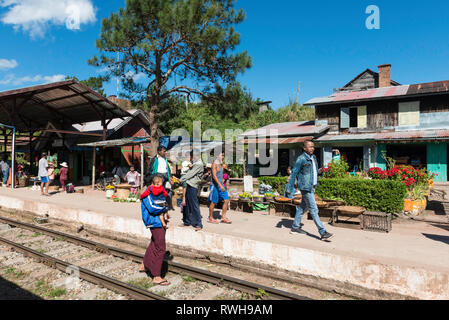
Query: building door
point(437, 160)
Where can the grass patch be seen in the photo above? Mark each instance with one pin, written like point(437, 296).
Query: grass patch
point(188, 279)
point(57, 293)
point(244, 296)
point(17, 274)
point(261, 294)
point(10, 270)
point(142, 283)
point(43, 289)
point(36, 234)
point(40, 250)
point(163, 293)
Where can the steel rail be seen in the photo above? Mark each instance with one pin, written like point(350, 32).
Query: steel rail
point(264, 292)
point(88, 275)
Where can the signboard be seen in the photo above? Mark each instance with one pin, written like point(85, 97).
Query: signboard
point(248, 184)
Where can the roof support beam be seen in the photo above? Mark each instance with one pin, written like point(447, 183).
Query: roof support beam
point(53, 110)
point(95, 102)
point(77, 133)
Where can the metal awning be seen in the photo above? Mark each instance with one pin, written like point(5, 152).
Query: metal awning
point(67, 102)
point(117, 142)
point(181, 150)
point(278, 140)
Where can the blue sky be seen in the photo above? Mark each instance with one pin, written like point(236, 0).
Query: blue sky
point(323, 44)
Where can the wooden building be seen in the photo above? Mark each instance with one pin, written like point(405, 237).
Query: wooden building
point(407, 122)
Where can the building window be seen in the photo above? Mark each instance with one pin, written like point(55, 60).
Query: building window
point(408, 113)
point(354, 117)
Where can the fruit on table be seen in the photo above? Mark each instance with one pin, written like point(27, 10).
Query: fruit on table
point(245, 195)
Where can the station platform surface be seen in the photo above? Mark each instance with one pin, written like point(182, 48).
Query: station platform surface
point(412, 260)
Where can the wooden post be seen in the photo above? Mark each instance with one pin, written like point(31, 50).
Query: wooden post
point(93, 168)
point(31, 152)
point(5, 142)
point(141, 166)
point(132, 156)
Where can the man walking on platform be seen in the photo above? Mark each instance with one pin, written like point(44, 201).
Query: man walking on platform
point(159, 166)
point(218, 191)
point(305, 173)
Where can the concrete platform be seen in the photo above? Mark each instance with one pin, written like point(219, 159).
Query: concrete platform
point(412, 260)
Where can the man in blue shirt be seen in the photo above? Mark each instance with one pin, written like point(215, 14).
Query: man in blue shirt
point(305, 173)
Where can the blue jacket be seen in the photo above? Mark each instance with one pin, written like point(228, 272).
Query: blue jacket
point(151, 212)
point(303, 173)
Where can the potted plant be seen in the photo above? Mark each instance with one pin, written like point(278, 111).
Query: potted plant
point(416, 201)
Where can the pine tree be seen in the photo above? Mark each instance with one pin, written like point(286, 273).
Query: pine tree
point(174, 47)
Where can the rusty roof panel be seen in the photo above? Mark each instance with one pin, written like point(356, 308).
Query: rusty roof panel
point(372, 94)
point(287, 129)
point(68, 101)
point(389, 136)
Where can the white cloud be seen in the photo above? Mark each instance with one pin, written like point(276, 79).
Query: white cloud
point(13, 80)
point(134, 76)
point(8, 64)
point(35, 16)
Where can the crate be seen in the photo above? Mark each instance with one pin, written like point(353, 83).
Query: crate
point(376, 221)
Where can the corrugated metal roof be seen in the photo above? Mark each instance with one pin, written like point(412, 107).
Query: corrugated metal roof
point(303, 128)
point(388, 136)
point(117, 142)
point(180, 151)
point(373, 94)
point(279, 140)
point(67, 101)
point(113, 125)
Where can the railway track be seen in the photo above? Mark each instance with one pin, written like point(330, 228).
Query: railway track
point(188, 272)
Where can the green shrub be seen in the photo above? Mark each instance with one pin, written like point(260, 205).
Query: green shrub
point(278, 183)
point(374, 195)
point(337, 169)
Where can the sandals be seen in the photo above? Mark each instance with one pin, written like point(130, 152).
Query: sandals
point(162, 283)
point(226, 221)
point(213, 221)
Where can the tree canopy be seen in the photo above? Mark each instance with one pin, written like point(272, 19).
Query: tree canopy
point(173, 47)
point(95, 83)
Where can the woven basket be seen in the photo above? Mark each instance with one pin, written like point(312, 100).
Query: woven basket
point(244, 199)
point(333, 203)
point(322, 204)
point(283, 200)
point(123, 190)
point(258, 198)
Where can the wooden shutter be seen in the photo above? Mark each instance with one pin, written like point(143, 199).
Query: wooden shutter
point(408, 113)
point(344, 118)
point(361, 117)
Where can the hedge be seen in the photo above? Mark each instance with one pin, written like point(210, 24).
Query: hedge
point(374, 195)
point(278, 183)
